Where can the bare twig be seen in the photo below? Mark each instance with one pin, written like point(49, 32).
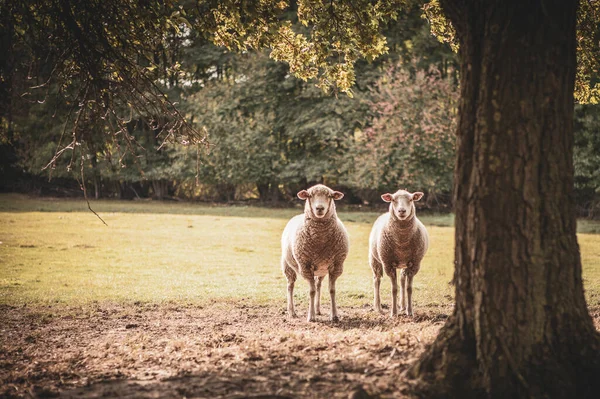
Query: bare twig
point(82, 185)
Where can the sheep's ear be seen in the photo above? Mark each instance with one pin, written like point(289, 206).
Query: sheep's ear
point(387, 197)
point(303, 195)
point(337, 195)
point(417, 196)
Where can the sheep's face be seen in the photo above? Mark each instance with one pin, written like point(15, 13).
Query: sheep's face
point(319, 200)
point(402, 203)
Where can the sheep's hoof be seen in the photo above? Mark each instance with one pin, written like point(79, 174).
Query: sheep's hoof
point(409, 313)
point(318, 312)
point(311, 318)
point(380, 310)
point(335, 319)
point(293, 315)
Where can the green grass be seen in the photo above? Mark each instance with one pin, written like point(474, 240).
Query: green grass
point(56, 251)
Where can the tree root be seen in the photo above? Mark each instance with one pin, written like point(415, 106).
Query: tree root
point(449, 368)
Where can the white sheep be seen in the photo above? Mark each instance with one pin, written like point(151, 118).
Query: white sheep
point(398, 240)
point(314, 244)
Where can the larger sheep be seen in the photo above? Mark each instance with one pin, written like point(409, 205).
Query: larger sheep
point(314, 245)
point(398, 241)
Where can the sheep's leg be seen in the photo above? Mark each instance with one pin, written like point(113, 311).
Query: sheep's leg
point(377, 273)
point(394, 278)
point(318, 281)
point(290, 275)
point(409, 311)
point(311, 299)
point(402, 291)
point(376, 296)
point(334, 314)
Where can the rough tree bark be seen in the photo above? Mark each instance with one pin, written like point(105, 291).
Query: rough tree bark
point(520, 327)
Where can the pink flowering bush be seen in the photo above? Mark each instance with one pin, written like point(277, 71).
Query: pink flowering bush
point(411, 140)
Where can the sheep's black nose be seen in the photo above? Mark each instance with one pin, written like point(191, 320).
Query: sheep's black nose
point(402, 211)
point(320, 208)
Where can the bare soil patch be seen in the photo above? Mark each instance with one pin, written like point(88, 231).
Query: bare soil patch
point(228, 350)
point(220, 350)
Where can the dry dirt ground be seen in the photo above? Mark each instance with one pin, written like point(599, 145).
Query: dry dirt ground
point(228, 350)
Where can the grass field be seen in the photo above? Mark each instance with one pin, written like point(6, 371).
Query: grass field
point(183, 290)
point(56, 251)
point(157, 252)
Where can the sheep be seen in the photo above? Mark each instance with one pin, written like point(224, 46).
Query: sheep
point(314, 244)
point(398, 240)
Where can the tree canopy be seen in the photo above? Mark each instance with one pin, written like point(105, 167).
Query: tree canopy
point(112, 74)
point(109, 59)
point(300, 133)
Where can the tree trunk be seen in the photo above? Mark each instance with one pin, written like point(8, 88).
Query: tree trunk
point(160, 188)
point(96, 188)
point(95, 172)
point(520, 327)
point(118, 190)
point(263, 191)
point(268, 192)
point(275, 193)
point(225, 192)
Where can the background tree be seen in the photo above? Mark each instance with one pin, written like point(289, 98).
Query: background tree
point(239, 99)
point(410, 140)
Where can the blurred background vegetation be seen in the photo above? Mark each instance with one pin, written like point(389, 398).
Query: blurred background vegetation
point(271, 134)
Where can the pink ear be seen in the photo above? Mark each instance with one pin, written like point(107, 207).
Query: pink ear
point(303, 195)
point(337, 195)
point(417, 196)
point(387, 197)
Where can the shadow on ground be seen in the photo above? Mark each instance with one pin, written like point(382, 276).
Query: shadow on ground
point(222, 350)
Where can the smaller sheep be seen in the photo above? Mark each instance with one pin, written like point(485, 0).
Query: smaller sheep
point(314, 244)
point(398, 240)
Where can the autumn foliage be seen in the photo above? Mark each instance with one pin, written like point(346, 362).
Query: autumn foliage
point(411, 140)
